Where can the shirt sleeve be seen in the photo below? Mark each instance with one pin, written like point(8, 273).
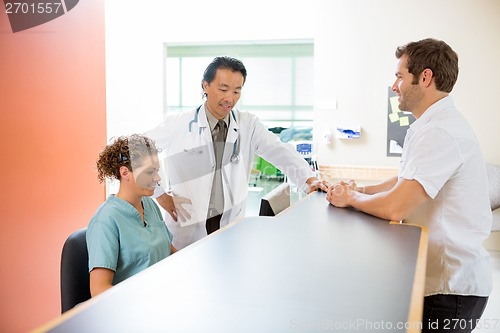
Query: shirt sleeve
point(432, 159)
point(103, 244)
point(282, 155)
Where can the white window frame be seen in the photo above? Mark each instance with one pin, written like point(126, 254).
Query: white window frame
point(283, 115)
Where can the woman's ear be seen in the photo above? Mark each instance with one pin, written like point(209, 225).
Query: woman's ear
point(125, 173)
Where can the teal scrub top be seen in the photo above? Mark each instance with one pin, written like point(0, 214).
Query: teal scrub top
point(117, 238)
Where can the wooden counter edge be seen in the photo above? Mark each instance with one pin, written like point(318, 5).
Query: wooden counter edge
point(51, 324)
point(415, 313)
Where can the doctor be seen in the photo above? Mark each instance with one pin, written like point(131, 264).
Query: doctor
point(208, 154)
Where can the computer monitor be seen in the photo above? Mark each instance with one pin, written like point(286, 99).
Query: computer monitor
point(275, 201)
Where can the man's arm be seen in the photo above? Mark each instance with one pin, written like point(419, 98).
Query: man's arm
point(381, 187)
point(396, 204)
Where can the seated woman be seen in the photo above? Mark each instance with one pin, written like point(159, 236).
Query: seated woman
point(127, 234)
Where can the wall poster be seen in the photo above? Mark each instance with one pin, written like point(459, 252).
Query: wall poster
point(398, 123)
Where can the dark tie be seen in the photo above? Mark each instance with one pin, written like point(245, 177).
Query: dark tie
point(216, 207)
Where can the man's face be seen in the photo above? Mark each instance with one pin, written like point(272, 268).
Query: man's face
point(410, 94)
point(223, 92)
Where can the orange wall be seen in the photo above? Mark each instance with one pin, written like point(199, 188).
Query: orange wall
point(52, 127)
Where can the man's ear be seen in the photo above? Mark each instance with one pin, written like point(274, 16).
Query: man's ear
point(427, 77)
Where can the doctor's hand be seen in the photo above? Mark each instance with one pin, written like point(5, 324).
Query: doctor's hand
point(174, 206)
point(315, 184)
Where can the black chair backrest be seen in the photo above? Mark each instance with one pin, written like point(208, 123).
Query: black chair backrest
point(75, 278)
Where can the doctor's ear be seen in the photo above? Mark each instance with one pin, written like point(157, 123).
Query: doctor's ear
point(204, 85)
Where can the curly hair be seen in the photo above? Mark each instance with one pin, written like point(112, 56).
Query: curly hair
point(127, 151)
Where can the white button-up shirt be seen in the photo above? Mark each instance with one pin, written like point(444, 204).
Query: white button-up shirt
point(441, 152)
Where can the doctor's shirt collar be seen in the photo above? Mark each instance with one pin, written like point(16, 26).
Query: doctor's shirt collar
point(212, 121)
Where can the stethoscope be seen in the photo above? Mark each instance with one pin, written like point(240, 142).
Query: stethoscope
point(235, 156)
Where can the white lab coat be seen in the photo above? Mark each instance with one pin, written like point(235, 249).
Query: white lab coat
point(188, 157)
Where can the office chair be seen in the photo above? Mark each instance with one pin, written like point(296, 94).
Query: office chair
point(75, 278)
point(275, 201)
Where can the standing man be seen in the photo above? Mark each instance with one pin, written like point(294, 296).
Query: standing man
point(441, 185)
point(209, 155)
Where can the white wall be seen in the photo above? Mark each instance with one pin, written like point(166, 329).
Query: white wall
point(354, 53)
point(355, 43)
point(135, 38)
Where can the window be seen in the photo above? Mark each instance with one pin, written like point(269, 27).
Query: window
point(279, 86)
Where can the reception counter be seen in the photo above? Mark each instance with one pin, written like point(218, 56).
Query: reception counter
point(312, 268)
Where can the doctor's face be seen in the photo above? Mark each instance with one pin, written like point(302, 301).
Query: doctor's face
point(223, 92)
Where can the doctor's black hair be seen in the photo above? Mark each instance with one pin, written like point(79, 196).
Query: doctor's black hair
point(224, 62)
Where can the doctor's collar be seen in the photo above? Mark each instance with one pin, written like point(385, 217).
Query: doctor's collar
point(212, 121)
